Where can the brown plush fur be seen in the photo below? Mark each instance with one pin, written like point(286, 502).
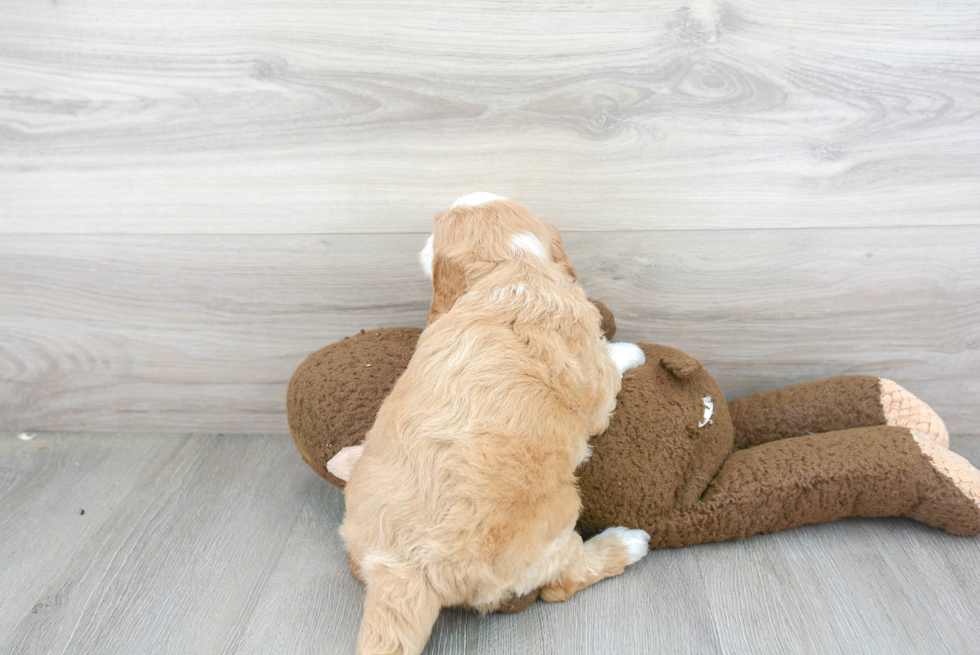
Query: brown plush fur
point(812, 452)
point(654, 437)
point(465, 493)
point(362, 370)
point(807, 408)
point(335, 393)
point(870, 471)
point(648, 466)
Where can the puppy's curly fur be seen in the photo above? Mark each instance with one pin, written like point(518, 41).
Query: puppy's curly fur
point(465, 493)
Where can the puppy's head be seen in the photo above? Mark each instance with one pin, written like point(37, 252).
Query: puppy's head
point(474, 236)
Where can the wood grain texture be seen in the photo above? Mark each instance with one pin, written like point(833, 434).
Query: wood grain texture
point(659, 606)
point(850, 586)
point(179, 565)
point(201, 333)
point(45, 485)
point(312, 603)
point(837, 594)
point(353, 117)
point(230, 545)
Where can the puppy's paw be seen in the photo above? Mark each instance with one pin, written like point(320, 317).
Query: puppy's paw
point(636, 542)
point(626, 355)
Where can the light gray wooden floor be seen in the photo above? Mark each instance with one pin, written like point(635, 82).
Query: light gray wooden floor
point(229, 544)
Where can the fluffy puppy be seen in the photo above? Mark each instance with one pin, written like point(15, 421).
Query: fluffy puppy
point(465, 491)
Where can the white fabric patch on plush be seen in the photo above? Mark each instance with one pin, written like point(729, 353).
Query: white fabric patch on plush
point(425, 257)
point(709, 409)
point(626, 355)
point(527, 242)
point(341, 464)
point(476, 198)
point(636, 542)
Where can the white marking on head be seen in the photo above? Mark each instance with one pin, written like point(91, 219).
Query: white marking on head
point(527, 242)
point(425, 257)
point(477, 198)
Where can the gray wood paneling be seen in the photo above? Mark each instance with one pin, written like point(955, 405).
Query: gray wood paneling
point(230, 545)
point(201, 333)
point(332, 132)
point(317, 117)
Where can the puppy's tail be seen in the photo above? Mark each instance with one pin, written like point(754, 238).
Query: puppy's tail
point(399, 612)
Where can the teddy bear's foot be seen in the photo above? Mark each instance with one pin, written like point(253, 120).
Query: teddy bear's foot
point(341, 464)
point(953, 504)
point(904, 410)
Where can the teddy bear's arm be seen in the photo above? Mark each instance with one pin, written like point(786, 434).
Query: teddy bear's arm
point(873, 471)
point(625, 355)
point(838, 403)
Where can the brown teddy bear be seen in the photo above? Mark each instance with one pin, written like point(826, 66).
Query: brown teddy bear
point(680, 462)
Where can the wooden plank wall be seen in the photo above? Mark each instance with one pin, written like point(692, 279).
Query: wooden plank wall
point(193, 196)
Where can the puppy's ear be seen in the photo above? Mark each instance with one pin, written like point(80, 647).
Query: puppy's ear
point(448, 284)
point(558, 249)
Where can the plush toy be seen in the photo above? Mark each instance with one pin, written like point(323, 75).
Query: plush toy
point(680, 462)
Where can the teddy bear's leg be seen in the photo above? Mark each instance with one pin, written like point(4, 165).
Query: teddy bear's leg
point(838, 403)
point(873, 471)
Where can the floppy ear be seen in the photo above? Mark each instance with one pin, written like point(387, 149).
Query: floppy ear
point(558, 249)
point(448, 284)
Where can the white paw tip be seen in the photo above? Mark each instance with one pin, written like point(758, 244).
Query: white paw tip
point(626, 355)
point(425, 257)
point(475, 199)
point(636, 542)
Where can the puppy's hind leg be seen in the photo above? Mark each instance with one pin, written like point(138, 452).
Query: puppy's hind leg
point(601, 557)
point(399, 612)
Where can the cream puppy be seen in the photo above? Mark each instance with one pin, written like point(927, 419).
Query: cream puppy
point(465, 492)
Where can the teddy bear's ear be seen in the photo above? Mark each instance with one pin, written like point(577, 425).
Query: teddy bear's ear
point(608, 325)
point(681, 366)
point(448, 284)
point(558, 249)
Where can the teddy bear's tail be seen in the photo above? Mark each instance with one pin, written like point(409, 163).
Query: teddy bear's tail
point(399, 612)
